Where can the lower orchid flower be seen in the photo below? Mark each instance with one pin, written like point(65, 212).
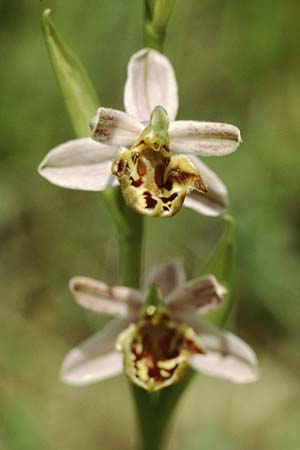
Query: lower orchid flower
point(158, 333)
point(153, 156)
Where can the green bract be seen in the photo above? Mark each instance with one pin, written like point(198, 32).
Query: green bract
point(80, 97)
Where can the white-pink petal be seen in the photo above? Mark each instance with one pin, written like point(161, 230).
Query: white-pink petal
point(151, 81)
point(168, 276)
point(197, 296)
point(215, 201)
point(113, 127)
point(104, 299)
point(227, 357)
point(95, 359)
point(203, 138)
point(80, 164)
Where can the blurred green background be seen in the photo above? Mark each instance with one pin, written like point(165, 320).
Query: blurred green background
point(235, 62)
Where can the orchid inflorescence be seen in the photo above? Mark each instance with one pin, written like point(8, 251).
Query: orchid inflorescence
point(159, 330)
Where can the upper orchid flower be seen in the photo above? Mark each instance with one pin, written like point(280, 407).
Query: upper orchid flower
point(153, 156)
point(158, 338)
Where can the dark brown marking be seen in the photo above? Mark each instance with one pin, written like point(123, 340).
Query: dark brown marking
point(136, 183)
point(150, 201)
point(169, 199)
point(141, 168)
point(181, 176)
point(122, 168)
point(169, 184)
point(201, 186)
point(159, 175)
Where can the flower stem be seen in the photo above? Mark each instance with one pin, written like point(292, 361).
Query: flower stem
point(155, 411)
point(157, 14)
point(153, 38)
point(130, 234)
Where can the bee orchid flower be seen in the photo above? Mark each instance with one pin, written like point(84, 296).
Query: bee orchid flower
point(157, 333)
point(152, 156)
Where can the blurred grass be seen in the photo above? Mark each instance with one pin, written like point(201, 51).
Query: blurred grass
point(235, 62)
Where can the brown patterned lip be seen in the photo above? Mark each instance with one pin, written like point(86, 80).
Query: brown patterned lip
point(157, 348)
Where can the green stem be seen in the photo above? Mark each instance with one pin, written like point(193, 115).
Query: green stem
point(155, 411)
point(150, 428)
point(157, 15)
point(154, 37)
point(130, 234)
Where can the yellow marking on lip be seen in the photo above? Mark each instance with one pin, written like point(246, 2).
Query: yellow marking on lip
point(151, 310)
